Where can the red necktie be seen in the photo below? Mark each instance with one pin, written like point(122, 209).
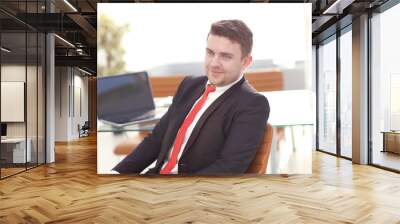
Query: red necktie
point(182, 130)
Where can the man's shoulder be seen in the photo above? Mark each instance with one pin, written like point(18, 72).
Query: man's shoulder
point(247, 93)
point(190, 84)
point(248, 90)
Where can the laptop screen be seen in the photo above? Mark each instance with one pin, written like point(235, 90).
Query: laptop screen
point(121, 98)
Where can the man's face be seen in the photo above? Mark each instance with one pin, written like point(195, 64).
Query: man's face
point(224, 62)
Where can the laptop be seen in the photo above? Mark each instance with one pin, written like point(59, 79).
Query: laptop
point(125, 99)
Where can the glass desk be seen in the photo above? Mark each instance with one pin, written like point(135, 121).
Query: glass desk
point(145, 126)
point(140, 126)
point(109, 136)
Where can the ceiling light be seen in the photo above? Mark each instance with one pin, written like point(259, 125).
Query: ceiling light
point(86, 72)
point(71, 6)
point(64, 40)
point(337, 7)
point(5, 50)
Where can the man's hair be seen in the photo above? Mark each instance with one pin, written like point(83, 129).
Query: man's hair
point(236, 31)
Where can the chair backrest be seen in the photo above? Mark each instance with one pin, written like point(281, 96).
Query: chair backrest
point(86, 125)
point(260, 161)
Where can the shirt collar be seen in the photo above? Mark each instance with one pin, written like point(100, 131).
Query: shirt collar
point(226, 87)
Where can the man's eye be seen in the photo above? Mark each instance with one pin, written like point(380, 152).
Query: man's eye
point(227, 56)
point(210, 53)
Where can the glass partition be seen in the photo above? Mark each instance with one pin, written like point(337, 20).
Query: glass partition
point(22, 76)
point(327, 96)
point(14, 153)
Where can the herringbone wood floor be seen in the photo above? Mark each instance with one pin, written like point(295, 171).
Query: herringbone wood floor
point(70, 191)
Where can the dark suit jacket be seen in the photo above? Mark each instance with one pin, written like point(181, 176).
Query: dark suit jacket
point(224, 140)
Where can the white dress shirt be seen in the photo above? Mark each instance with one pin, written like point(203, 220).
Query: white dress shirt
point(212, 96)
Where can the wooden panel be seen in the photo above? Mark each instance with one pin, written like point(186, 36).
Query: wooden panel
point(264, 81)
point(92, 100)
point(261, 80)
point(165, 85)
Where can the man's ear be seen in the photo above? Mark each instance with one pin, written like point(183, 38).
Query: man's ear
point(247, 61)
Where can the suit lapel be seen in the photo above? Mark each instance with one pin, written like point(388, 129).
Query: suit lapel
point(207, 114)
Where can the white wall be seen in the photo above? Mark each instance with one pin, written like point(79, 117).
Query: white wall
point(70, 83)
point(61, 103)
point(33, 126)
point(80, 118)
point(296, 78)
point(14, 73)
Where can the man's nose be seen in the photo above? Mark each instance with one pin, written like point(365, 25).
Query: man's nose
point(215, 62)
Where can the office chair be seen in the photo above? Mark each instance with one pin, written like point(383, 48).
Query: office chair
point(84, 130)
point(260, 161)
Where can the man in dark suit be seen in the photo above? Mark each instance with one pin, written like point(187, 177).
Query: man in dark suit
point(215, 122)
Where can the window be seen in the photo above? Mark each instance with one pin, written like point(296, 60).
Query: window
point(346, 93)
point(385, 89)
point(327, 96)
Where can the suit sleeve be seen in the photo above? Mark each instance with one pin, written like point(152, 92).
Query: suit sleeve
point(243, 139)
point(147, 151)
